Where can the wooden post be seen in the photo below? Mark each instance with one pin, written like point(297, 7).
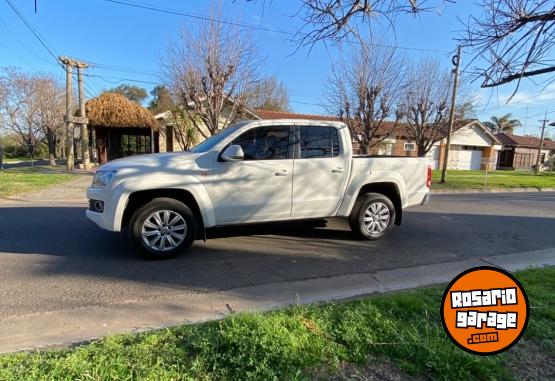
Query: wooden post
point(69, 124)
point(93, 145)
point(541, 144)
point(70, 63)
point(84, 130)
point(456, 62)
point(151, 140)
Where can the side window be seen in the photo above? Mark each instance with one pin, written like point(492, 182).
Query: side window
point(319, 142)
point(265, 143)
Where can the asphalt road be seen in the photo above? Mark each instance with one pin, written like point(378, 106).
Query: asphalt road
point(52, 258)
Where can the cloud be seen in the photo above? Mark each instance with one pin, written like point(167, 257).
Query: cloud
point(527, 97)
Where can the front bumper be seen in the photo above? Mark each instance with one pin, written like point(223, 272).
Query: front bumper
point(110, 217)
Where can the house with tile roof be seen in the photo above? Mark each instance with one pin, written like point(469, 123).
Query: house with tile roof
point(520, 152)
point(472, 144)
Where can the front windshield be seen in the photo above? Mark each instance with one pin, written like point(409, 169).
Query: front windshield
point(213, 141)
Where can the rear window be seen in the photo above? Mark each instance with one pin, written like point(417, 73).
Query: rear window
point(318, 142)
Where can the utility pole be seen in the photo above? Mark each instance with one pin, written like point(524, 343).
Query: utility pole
point(69, 123)
point(544, 121)
point(70, 119)
point(456, 62)
point(84, 129)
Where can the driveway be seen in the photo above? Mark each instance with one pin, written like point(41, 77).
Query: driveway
point(56, 263)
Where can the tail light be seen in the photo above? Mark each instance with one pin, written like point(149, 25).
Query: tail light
point(429, 177)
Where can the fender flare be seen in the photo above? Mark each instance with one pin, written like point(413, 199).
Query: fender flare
point(189, 184)
point(375, 177)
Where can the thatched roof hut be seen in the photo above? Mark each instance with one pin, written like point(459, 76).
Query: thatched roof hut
point(120, 127)
point(115, 110)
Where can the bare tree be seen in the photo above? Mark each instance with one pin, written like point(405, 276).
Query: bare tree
point(183, 128)
point(50, 99)
point(269, 94)
point(3, 98)
point(210, 70)
point(20, 108)
point(337, 20)
point(425, 104)
point(364, 89)
point(513, 38)
point(466, 109)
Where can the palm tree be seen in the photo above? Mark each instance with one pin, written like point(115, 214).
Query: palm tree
point(503, 124)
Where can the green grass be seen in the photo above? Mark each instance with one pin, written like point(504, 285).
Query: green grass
point(27, 179)
point(299, 342)
point(496, 179)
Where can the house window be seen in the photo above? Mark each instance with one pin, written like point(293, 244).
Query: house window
point(410, 146)
point(470, 148)
point(522, 160)
point(129, 145)
point(385, 149)
point(542, 158)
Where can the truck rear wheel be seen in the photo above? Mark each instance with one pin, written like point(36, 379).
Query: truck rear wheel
point(372, 217)
point(162, 228)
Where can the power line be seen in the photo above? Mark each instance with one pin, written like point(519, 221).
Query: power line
point(120, 79)
point(18, 56)
point(248, 26)
point(199, 17)
point(35, 33)
point(25, 46)
point(125, 69)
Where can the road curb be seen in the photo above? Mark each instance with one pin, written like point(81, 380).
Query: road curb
point(491, 190)
point(66, 327)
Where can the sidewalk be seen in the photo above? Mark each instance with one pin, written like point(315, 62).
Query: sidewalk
point(64, 327)
point(73, 191)
point(490, 190)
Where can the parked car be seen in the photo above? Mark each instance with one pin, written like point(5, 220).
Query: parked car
point(257, 171)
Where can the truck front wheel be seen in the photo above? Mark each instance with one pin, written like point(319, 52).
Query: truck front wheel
point(372, 217)
point(162, 228)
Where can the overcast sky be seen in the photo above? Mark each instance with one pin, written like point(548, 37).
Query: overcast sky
point(127, 43)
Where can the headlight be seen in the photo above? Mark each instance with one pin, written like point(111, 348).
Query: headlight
point(102, 178)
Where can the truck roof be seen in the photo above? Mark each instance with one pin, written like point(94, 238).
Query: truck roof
point(295, 122)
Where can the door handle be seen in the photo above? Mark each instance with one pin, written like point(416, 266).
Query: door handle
point(282, 172)
point(337, 170)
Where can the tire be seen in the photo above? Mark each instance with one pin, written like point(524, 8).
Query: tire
point(373, 206)
point(171, 224)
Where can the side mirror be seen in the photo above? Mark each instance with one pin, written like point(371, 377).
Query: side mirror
point(233, 153)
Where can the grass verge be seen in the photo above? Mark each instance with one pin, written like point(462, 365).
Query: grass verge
point(27, 179)
point(305, 342)
point(495, 179)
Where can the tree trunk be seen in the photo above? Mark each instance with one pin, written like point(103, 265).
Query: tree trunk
point(51, 140)
point(364, 148)
point(421, 151)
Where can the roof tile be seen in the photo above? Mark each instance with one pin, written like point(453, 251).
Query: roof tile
point(524, 141)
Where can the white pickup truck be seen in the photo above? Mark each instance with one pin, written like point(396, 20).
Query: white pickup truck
point(256, 171)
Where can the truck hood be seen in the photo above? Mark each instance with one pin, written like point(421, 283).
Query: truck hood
point(150, 162)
